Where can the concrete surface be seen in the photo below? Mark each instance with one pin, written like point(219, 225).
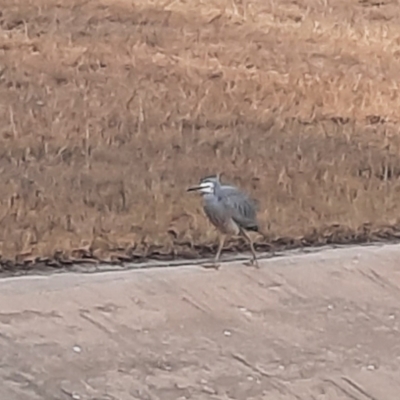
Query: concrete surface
point(316, 326)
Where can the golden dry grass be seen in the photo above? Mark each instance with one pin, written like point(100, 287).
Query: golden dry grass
point(110, 109)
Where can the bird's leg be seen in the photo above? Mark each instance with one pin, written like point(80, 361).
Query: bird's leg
point(266, 237)
point(220, 246)
point(254, 260)
point(215, 263)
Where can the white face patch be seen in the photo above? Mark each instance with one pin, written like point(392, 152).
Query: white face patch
point(206, 187)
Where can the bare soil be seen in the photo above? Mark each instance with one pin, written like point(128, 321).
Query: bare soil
point(110, 110)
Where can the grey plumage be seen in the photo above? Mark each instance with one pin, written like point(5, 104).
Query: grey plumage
point(229, 209)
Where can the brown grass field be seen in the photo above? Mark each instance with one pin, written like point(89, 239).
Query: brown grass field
point(110, 109)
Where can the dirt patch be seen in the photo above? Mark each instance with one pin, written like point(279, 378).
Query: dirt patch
point(110, 110)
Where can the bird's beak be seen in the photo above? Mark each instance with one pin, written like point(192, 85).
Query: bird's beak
point(193, 188)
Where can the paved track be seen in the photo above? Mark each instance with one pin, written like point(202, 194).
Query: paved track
point(316, 326)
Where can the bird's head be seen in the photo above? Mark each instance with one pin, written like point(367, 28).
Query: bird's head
point(207, 185)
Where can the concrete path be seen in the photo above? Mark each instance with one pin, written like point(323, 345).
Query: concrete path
point(317, 326)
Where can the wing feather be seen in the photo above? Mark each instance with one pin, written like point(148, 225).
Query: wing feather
point(243, 209)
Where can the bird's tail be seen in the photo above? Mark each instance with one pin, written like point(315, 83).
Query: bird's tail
point(253, 228)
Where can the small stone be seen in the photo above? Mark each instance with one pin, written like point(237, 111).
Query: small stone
point(77, 349)
point(208, 390)
point(245, 311)
point(227, 333)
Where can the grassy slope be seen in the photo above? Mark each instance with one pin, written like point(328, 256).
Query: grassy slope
point(110, 110)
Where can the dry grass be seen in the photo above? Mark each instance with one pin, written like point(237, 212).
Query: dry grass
point(110, 109)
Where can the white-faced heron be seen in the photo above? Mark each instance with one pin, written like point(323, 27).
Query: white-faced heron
point(230, 210)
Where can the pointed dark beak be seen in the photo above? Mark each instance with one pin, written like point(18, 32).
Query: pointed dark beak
point(193, 188)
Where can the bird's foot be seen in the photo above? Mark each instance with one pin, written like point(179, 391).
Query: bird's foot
point(211, 265)
point(252, 263)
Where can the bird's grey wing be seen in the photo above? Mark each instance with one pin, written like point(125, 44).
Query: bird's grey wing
point(243, 209)
point(215, 211)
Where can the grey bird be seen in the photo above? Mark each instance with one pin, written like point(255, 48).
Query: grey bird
point(230, 210)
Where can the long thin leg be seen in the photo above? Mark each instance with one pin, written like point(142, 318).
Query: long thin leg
point(253, 252)
point(220, 246)
point(217, 255)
